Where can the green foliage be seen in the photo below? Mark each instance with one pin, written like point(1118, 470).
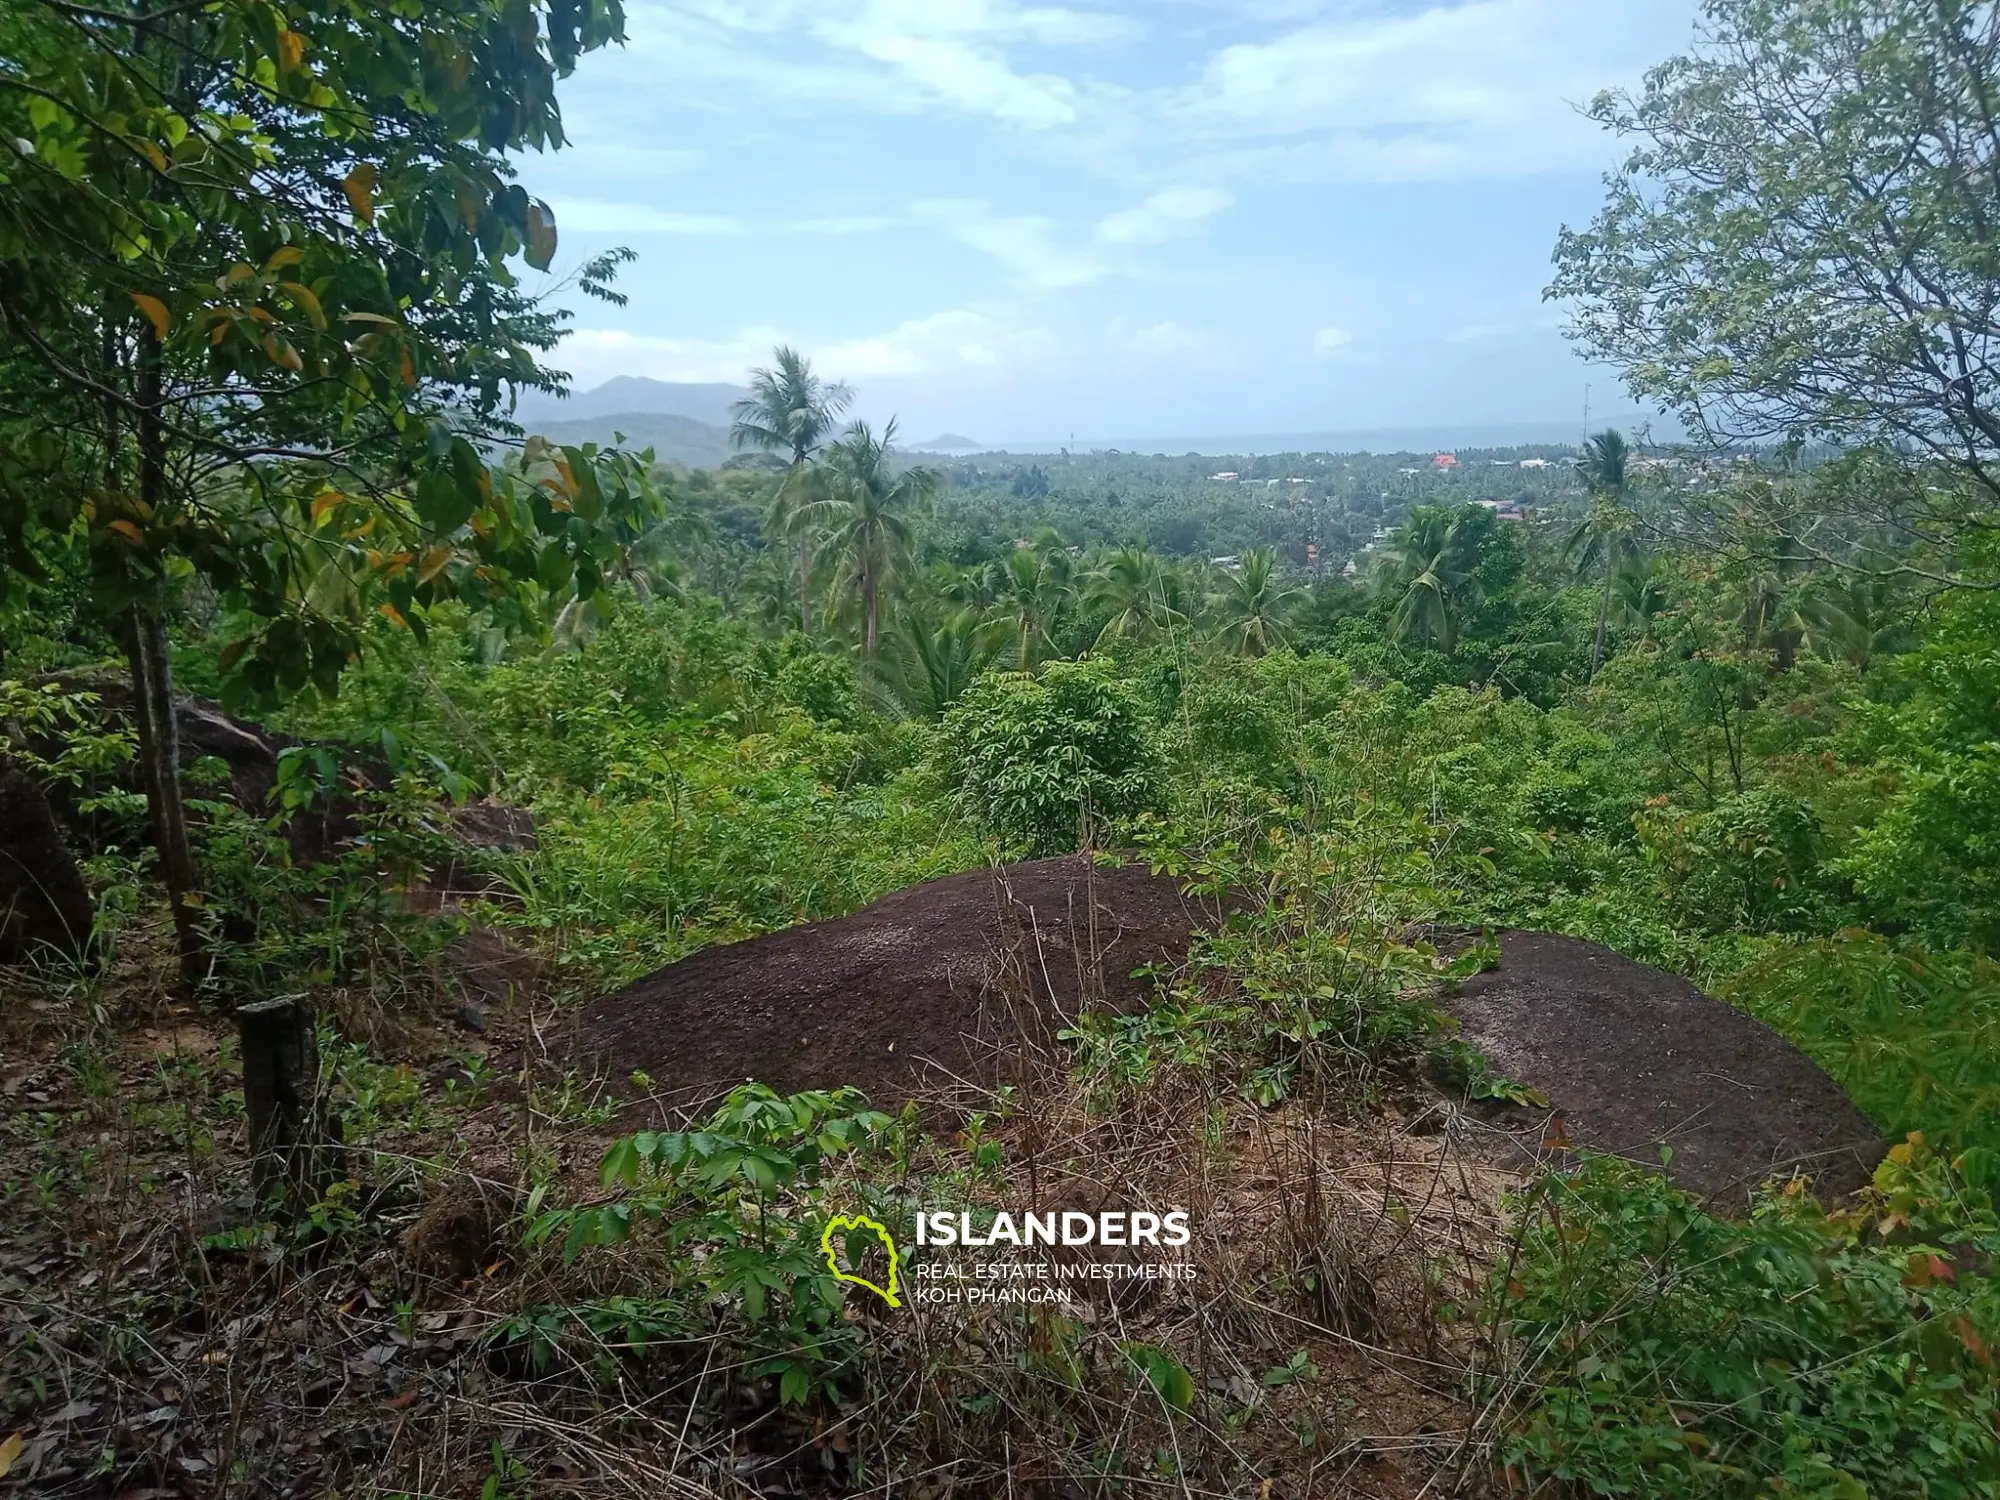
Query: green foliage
point(1665, 1351)
point(1748, 862)
point(1749, 267)
point(737, 1208)
point(1912, 1035)
point(1930, 855)
point(1046, 762)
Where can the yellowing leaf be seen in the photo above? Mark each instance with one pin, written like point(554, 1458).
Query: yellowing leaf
point(10, 1449)
point(359, 185)
point(307, 302)
point(433, 564)
point(130, 532)
point(291, 50)
point(151, 152)
point(282, 353)
point(409, 369)
point(283, 256)
point(156, 313)
point(323, 502)
point(541, 235)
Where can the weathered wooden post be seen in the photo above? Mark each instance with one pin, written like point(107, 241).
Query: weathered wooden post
point(292, 1139)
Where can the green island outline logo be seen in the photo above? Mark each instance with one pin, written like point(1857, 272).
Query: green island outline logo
point(860, 1221)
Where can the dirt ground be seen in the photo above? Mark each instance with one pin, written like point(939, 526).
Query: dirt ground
point(903, 998)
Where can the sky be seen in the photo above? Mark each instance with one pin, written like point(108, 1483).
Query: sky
point(1119, 219)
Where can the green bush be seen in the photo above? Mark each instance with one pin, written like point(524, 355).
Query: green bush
point(1664, 1352)
point(1044, 761)
point(1913, 1036)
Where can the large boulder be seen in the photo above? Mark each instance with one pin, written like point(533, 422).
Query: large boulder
point(44, 903)
point(931, 988)
point(1636, 1059)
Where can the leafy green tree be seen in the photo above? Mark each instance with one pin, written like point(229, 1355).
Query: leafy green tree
point(1251, 609)
point(793, 413)
point(256, 276)
point(866, 507)
point(1801, 242)
point(1045, 761)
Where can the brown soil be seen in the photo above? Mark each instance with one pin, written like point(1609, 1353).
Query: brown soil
point(1633, 1058)
point(924, 991)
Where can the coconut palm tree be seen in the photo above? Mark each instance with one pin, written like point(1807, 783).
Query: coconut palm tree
point(1639, 594)
point(1602, 541)
point(793, 413)
point(1032, 591)
point(927, 664)
point(1858, 618)
point(864, 506)
point(1135, 592)
point(1252, 612)
point(1428, 569)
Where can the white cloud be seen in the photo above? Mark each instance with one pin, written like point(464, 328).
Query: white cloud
point(1167, 340)
point(1165, 216)
point(967, 77)
point(1483, 86)
point(892, 56)
point(961, 339)
point(1330, 341)
point(1024, 244)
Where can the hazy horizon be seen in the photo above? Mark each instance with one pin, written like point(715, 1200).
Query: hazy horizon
point(1190, 216)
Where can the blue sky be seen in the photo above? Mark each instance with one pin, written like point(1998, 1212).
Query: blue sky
point(1129, 218)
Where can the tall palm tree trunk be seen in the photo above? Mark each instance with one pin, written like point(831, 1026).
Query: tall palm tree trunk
point(1603, 617)
point(805, 583)
point(869, 585)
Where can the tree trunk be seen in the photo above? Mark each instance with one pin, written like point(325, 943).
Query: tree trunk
point(869, 603)
point(292, 1139)
point(160, 770)
point(44, 903)
point(805, 583)
point(1603, 615)
point(153, 692)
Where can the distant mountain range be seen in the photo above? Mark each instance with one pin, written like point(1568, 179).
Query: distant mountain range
point(707, 404)
point(682, 423)
point(689, 424)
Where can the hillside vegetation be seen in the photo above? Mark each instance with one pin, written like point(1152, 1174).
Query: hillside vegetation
point(305, 1188)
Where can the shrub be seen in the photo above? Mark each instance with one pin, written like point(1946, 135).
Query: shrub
point(1044, 761)
point(1913, 1036)
point(1662, 1351)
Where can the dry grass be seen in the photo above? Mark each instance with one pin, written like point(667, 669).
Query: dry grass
point(142, 1357)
